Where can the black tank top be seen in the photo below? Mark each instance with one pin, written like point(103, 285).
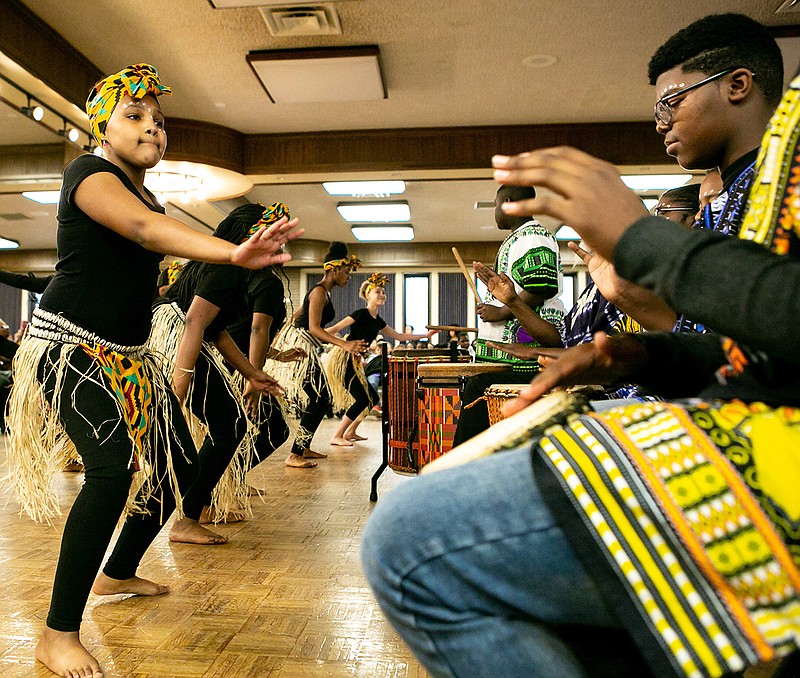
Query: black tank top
point(328, 314)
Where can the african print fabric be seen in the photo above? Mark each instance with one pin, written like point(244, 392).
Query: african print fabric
point(729, 210)
point(529, 256)
point(687, 513)
point(130, 385)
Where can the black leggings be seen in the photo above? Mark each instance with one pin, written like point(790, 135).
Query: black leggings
point(106, 456)
point(212, 404)
point(272, 429)
point(319, 400)
point(363, 399)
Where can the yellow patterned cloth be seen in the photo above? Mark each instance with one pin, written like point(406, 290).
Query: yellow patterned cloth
point(688, 514)
point(376, 280)
point(352, 262)
point(137, 81)
point(271, 214)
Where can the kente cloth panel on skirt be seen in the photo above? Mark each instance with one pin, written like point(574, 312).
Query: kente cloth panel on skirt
point(693, 510)
point(131, 386)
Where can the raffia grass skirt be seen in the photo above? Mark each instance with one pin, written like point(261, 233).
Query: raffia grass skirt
point(231, 494)
point(293, 376)
point(38, 446)
point(336, 371)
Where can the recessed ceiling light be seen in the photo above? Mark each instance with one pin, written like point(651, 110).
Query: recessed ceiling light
point(654, 182)
point(42, 197)
point(383, 233)
point(8, 244)
point(376, 212)
point(365, 188)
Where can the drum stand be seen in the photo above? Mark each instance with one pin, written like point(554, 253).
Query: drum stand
point(373, 492)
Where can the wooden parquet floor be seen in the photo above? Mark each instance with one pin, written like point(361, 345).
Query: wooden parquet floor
point(284, 598)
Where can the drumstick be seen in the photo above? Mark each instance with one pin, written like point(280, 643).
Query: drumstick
point(447, 328)
point(470, 281)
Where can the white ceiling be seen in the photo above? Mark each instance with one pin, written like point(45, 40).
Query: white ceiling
point(445, 63)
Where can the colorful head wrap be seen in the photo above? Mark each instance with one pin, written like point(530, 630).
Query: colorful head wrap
point(173, 270)
point(136, 80)
point(375, 280)
point(352, 262)
point(271, 214)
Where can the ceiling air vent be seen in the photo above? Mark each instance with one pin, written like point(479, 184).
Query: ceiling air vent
point(788, 6)
point(314, 19)
point(14, 216)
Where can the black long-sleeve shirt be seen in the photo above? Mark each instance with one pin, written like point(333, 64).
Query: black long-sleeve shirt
point(740, 289)
point(25, 282)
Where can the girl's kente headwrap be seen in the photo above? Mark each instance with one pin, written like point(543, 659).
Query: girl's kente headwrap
point(136, 80)
point(271, 214)
point(376, 280)
point(352, 262)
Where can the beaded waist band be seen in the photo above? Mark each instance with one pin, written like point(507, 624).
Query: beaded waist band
point(54, 327)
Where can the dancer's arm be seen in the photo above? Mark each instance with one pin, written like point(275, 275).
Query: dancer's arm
point(258, 379)
point(341, 325)
point(199, 316)
point(405, 336)
point(104, 198)
point(316, 302)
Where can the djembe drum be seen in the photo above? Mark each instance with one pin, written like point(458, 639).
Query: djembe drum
point(403, 406)
point(527, 424)
point(496, 396)
point(439, 389)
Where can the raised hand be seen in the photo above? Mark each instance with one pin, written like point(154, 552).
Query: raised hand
point(586, 193)
point(606, 360)
point(500, 286)
point(263, 247)
point(490, 314)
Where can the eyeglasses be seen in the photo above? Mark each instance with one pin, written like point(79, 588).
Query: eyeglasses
point(661, 211)
point(663, 108)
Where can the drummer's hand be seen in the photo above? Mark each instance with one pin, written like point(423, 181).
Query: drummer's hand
point(586, 193)
point(355, 347)
point(500, 286)
point(606, 360)
point(527, 351)
point(490, 314)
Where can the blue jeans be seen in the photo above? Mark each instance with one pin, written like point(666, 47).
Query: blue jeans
point(472, 570)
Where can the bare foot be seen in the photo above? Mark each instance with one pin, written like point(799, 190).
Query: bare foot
point(106, 586)
point(63, 653)
point(188, 531)
point(296, 461)
point(208, 516)
point(310, 454)
point(338, 441)
point(355, 437)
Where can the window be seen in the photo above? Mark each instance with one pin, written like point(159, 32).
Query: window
point(417, 302)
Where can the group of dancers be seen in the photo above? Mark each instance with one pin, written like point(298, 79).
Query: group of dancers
point(168, 405)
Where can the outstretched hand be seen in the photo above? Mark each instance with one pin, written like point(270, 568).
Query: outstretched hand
point(587, 193)
point(500, 286)
point(263, 247)
point(606, 360)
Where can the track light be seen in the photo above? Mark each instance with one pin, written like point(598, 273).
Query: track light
point(35, 112)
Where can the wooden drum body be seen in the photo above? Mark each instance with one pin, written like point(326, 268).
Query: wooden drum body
point(403, 406)
point(497, 395)
point(440, 386)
